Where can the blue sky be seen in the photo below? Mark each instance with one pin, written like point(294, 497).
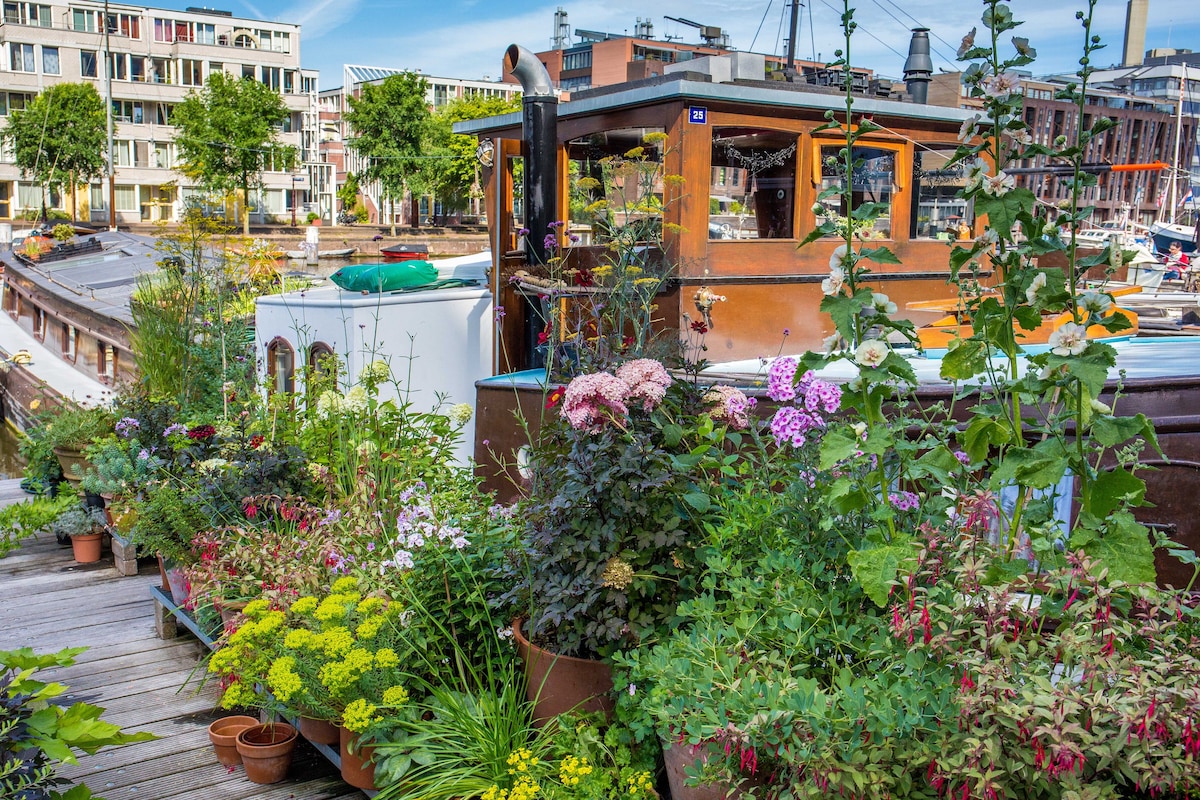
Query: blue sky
point(467, 38)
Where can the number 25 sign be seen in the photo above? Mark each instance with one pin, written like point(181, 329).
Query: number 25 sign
point(698, 115)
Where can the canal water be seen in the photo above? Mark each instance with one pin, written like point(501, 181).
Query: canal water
point(10, 462)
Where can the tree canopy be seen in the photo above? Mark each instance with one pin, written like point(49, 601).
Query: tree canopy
point(59, 138)
point(390, 126)
point(227, 136)
point(454, 170)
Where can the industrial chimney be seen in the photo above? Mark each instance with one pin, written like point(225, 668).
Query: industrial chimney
point(1136, 13)
point(918, 68)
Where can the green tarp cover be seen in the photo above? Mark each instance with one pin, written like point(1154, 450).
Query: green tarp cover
point(387, 277)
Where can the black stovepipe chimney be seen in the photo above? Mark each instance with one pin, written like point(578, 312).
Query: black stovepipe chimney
point(539, 128)
point(918, 69)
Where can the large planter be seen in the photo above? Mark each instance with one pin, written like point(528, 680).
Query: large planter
point(86, 547)
point(73, 464)
point(319, 731)
point(266, 751)
point(677, 758)
point(556, 684)
point(177, 583)
point(229, 610)
point(223, 735)
point(358, 769)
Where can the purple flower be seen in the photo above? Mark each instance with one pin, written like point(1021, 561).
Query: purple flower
point(787, 331)
point(173, 429)
point(962, 457)
point(550, 242)
point(499, 313)
point(573, 238)
point(904, 501)
point(143, 455)
point(126, 427)
point(370, 547)
point(781, 378)
point(523, 232)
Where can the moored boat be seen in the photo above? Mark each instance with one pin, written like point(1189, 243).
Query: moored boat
point(405, 251)
point(343, 252)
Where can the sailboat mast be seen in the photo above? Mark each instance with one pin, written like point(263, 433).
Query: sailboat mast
point(1178, 134)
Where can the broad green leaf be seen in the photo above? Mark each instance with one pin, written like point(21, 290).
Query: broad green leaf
point(1029, 467)
point(1125, 549)
point(875, 569)
point(1113, 488)
point(964, 359)
point(880, 255)
point(981, 435)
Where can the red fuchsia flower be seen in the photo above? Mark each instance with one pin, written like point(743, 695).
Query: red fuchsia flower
point(926, 625)
point(647, 380)
point(554, 397)
point(202, 432)
point(543, 337)
point(251, 510)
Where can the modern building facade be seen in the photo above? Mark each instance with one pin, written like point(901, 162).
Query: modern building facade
point(147, 60)
point(335, 134)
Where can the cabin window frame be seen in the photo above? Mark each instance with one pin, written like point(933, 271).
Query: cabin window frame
point(899, 182)
point(70, 342)
point(288, 384)
point(39, 323)
point(747, 181)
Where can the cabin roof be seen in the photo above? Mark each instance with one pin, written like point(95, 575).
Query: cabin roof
point(100, 281)
point(687, 86)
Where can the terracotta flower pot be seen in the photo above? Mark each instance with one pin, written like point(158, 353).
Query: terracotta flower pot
point(229, 609)
point(162, 573)
point(319, 731)
point(70, 459)
point(266, 751)
point(557, 684)
point(177, 582)
point(86, 547)
point(358, 769)
point(223, 735)
point(678, 757)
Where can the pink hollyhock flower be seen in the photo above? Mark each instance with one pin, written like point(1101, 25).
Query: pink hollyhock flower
point(647, 380)
point(591, 399)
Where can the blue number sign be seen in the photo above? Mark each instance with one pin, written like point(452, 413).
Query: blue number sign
point(698, 115)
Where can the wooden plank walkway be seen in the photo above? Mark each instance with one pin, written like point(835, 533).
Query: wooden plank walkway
point(49, 602)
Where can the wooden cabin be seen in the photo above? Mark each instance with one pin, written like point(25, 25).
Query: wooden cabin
point(752, 164)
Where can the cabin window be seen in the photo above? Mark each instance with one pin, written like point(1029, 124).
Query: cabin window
point(938, 211)
point(281, 366)
point(874, 181)
point(616, 186)
point(12, 303)
point(322, 366)
point(69, 342)
point(39, 323)
point(516, 174)
point(752, 192)
point(106, 362)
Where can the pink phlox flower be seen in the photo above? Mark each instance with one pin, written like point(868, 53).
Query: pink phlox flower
point(590, 399)
point(647, 380)
point(781, 379)
point(819, 396)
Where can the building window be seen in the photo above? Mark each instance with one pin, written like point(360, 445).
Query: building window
point(128, 111)
point(205, 33)
point(137, 69)
point(118, 66)
point(191, 72)
point(50, 64)
point(96, 197)
point(39, 323)
point(129, 25)
point(87, 63)
point(12, 303)
point(161, 156)
point(164, 30)
point(27, 14)
point(162, 114)
point(763, 205)
point(322, 366)
point(70, 338)
point(22, 57)
point(160, 71)
point(281, 366)
point(84, 21)
point(272, 78)
point(126, 197)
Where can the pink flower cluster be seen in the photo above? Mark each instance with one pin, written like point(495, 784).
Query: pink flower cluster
point(729, 406)
point(647, 380)
point(591, 399)
point(811, 398)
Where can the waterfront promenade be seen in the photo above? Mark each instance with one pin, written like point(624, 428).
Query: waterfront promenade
point(48, 602)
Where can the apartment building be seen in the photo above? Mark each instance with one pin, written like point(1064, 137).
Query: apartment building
point(335, 133)
point(147, 60)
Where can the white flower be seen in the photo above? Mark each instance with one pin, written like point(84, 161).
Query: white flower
point(882, 304)
point(837, 259)
point(1020, 136)
point(1116, 256)
point(1095, 302)
point(355, 400)
point(1039, 281)
point(831, 343)
point(833, 284)
point(1002, 85)
point(987, 238)
point(329, 403)
point(977, 170)
point(860, 429)
point(460, 414)
point(1069, 340)
point(377, 371)
point(1000, 184)
point(968, 128)
point(871, 353)
point(1100, 408)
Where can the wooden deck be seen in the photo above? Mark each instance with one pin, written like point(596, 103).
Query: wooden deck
point(49, 602)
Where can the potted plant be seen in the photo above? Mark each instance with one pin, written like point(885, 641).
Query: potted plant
point(166, 519)
point(85, 527)
point(70, 430)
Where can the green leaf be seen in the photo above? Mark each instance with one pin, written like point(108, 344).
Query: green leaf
point(1125, 549)
point(837, 447)
point(672, 435)
point(1002, 212)
point(981, 435)
point(875, 569)
point(880, 255)
point(964, 359)
point(1029, 467)
point(1114, 488)
point(1112, 431)
point(698, 500)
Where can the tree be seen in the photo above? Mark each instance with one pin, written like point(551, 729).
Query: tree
point(59, 139)
point(227, 136)
point(390, 126)
point(454, 168)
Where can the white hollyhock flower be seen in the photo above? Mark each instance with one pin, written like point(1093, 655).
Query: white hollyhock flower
point(871, 353)
point(882, 304)
point(1095, 302)
point(1039, 281)
point(977, 170)
point(999, 184)
point(837, 258)
point(834, 283)
point(1069, 340)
